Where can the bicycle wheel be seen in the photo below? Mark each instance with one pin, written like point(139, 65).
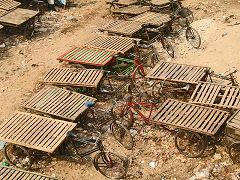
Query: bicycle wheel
point(168, 46)
point(110, 165)
point(18, 156)
point(122, 135)
point(193, 37)
point(156, 90)
point(189, 144)
point(154, 59)
point(234, 152)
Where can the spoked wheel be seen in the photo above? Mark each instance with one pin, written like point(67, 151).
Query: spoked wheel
point(18, 156)
point(193, 37)
point(111, 165)
point(234, 152)
point(122, 135)
point(168, 46)
point(190, 144)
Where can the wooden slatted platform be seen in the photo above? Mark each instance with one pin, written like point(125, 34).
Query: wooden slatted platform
point(233, 126)
point(178, 72)
point(190, 117)
point(34, 131)
point(216, 94)
point(9, 173)
point(73, 77)
point(9, 4)
point(18, 17)
point(123, 2)
point(127, 28)
point(58, 102)
point(131, 10)
point(160, 2)
point(112, 43)
point(3, 12)
point(152, 18)
point(89, 56)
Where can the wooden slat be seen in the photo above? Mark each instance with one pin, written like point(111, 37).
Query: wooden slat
point(58, 102)
point(73, 77)
point(9, 4)
point(131, 10)
point(190, 117)
point(178, 72)
point(51, 131)
point(123, 2)
point(9, 173)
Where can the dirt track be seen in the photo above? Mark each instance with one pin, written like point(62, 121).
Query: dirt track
point(22, 70)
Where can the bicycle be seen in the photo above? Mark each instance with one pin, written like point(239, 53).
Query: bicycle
point(107, 163)
point(232, 80)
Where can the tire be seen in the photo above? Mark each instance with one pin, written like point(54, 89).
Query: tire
point(195, 144)
point(168, 47)
point(234, 152)
point(122, 135)
point(154, 59)
point(18, 156)
point(110, 165)
point(193, 37)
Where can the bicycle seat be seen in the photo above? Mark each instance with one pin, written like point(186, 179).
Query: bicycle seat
point(89, 104)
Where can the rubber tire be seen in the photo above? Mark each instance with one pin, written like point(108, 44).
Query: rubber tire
point(98, 168)
point(193, 32)
point(202, 144)
point(230, 149)
point(12, 163)
point(126, 131)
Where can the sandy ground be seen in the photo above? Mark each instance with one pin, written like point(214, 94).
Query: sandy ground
point(21, 71)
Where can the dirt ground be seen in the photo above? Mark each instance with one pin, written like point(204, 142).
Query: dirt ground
point(22, 67)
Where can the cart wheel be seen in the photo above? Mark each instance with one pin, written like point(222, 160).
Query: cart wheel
point(234, 152)
point(167, 46)
point(18, 156)
point(190, 144)
point(110, 165)
point(193, 37)
point(122, 135)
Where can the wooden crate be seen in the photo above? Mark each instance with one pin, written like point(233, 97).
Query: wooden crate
point(112, 43)
point(152, 18)
point(88, 56)
point(213, 94)
point(121, 27)
point(131, 10)
point(176, 72)
point(35, 132)
point(18, 17)
point(9, 173)
point(9, 4)
point(190, 117)
point(73, 77)
point(58, 102)
point(233, 126)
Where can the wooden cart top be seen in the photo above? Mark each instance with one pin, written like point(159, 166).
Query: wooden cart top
point(190, 117)
point(152, 18)
point(123, 2)
point(17, 17)
point(178, 72)
point(3, 12)
point(127, 28)
point(225, 96)
point(88, 55)
point(234, 121)
point(73, 77)
point(7, 173)
point(9, 4)
point(112, 43)
point(58, 102)
point(160, 2)
point(34, 131)
point(131, 10)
